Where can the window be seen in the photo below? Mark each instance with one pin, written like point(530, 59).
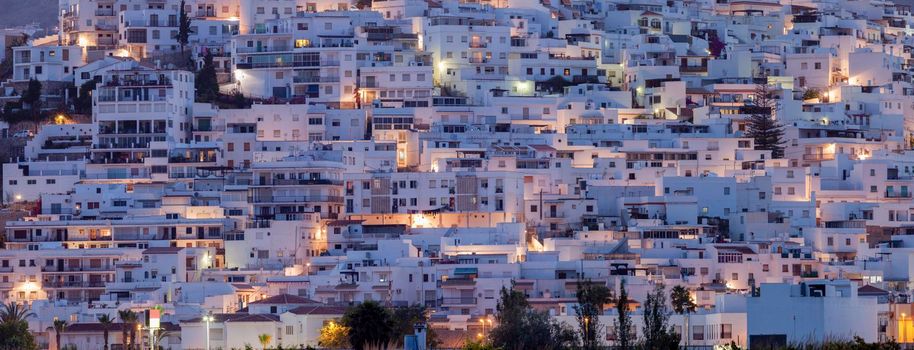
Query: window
point(726, 331)
point(698, 332)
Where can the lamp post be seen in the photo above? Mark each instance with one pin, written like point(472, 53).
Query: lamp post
point(208, 318)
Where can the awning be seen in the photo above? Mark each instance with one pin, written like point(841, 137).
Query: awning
point(466, 271)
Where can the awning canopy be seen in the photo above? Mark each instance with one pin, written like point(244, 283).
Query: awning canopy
point(466, 271)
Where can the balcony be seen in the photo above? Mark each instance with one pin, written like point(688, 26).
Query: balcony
point(810, 274)
point(138, 83)
point(893, 194)
point(182, 159)
point(693, 69)
point(315, 79)
point(73, 284)
point(294, 199)
point(818, 157)
point(293, 182)
point(459, 283)
point(461, 301)
point(264, 49)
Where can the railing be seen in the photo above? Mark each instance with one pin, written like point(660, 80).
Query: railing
point(139, 83)
point(457, 301)
point(818, 157)
point(280, 182)
point(897, 194)
point(206, 159)
point(453, 282)
point(293, 199)
point(315, 79)
point(693, 69)
point(72, 284)
point(265, 49)
point(55, 268)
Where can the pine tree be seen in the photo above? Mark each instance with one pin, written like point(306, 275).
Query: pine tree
point(6, 65)
point(658, 334)
point(762, 127)
point(591, 298)
point(207, 84)
point(83, 101)
point(623, 323)
point(184, 31)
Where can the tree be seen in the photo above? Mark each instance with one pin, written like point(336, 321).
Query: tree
point(184, 30)
point(369, 326)
point(404, 323)
point(362, 4)
point(264, 340)
point(591, 299)
point(15, 335)
point(682, 303)
point(556, 84)
point(762, 126)
point(520, 327)
point(159, 337)
point(6, 66)
point(128, 328)
point(31, 97)
point(658, 334)
point(477, 345)
point(511, 310)
point(83, 102)
point(206, 83)
point(811, 94)
point(334, 335)
point(106, 322)
point(59, 326)
point(623, 323)
point(13, 312)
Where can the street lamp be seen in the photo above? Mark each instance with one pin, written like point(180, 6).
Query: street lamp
point(208, 318)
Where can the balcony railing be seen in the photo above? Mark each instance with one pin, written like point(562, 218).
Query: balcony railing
point(818, 157)
point(293, 199)
point(288, 182)
point(457, 301)
point(74, 284)
point(889, 194)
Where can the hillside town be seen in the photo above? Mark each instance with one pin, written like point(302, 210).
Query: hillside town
point(447, 174)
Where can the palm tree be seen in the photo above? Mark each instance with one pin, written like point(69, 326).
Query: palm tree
point(159, 337)
point(264, 340)
point(106, 322)
point(59, 326)
point(682, 303)
point(13, 312)
point(128, 318)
